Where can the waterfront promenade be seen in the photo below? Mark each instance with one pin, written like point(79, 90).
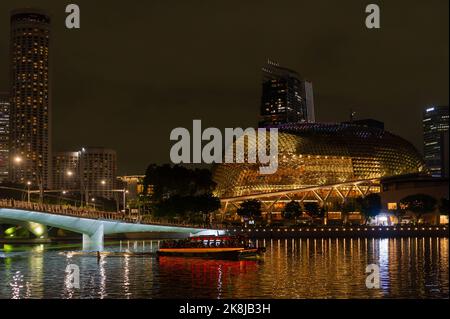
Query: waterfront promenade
point(317, 231)
point(360, 231)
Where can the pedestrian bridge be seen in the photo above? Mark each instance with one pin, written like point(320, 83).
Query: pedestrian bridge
point(93, 225)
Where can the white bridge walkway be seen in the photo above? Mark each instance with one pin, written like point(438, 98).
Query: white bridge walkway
point(92, 224)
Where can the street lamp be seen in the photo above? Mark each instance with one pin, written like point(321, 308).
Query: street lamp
point(124, 193)
point(18, 159)
point(28, 192)
point(72, 185)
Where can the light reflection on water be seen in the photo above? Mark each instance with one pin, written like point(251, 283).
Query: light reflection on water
point(291, 268)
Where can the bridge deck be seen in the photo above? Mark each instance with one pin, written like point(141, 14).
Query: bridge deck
point(66, 210)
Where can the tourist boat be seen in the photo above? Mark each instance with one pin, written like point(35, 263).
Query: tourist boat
point(218, 247)
point(100, 254)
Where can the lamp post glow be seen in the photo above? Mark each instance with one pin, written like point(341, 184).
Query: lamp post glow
point(124, 192)
point(28, 192)
point(18, 160)
point(39, 178)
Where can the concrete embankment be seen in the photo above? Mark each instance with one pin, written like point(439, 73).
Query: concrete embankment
point(280, 232)
point(343, 232)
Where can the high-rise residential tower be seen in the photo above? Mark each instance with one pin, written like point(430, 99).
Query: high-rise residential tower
point(4, 136)
point(435, 140)
point(98, 168)
point(92, 171)
point(65, 171)
point(286, 98)
point(30, 112)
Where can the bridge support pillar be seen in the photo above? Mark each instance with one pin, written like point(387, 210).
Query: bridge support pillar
point(94, 242)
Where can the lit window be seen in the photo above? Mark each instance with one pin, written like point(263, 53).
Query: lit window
point(392, 206)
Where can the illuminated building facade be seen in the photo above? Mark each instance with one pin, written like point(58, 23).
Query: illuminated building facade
point(91, 170)
point(435, 140)
point(98, 167)
point(313, 155)
point(30, 113)
point(4, 136)
point(65, 170)
point(395, 188)
point(134, 184)
point(286, 98)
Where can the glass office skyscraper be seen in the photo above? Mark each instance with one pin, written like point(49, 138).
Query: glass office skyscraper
point(286, 98)
point(435, 139)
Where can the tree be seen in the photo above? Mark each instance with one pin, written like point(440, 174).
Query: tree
point(181, 192)
point(167, 181)
point(419, 204)
point(443, 206)
point(399, 213)
point(370, 206)
point(313, 209)
point(191, 208)
point(292, 210)
point(349, 206)
point(250, 208)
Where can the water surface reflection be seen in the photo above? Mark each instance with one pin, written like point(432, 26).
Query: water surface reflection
point(291, 268)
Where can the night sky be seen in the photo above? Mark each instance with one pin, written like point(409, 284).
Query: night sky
point(137, 69)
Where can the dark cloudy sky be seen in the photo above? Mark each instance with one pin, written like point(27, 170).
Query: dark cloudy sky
point(137, 69)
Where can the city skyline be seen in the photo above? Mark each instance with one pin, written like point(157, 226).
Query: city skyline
point(232, 152)
point(165, 91)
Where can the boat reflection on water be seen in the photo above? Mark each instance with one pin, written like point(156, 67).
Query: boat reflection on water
point(211, 275)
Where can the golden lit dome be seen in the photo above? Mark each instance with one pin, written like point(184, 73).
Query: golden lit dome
point(314, 154)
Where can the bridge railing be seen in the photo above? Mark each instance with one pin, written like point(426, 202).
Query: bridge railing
point(67, 210)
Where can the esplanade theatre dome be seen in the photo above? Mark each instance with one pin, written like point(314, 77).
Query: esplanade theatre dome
point(314, 154)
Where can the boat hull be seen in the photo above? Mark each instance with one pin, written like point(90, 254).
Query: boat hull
point(215, 253)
